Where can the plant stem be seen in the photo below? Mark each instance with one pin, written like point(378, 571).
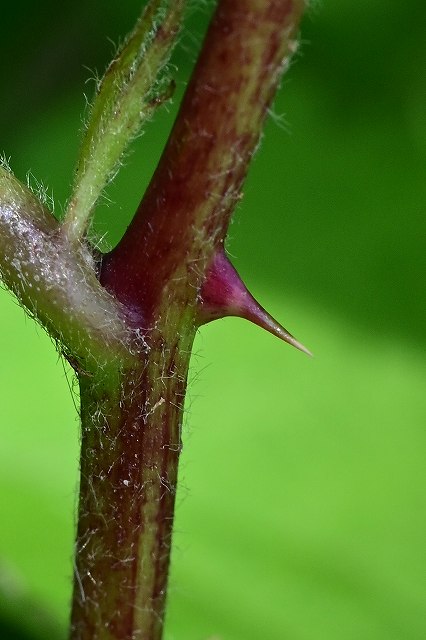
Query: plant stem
point(184, 215)
point(132, 415)
point(57, 283)
point(127, 328)
point(131, 421)
point(127, 96)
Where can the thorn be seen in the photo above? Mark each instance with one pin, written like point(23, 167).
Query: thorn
point(224, 294)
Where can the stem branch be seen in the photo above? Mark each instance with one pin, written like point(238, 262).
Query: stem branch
point(128, 326)
point(185, 212)
point(127, 96)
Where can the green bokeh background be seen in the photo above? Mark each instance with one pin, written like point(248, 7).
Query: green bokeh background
point(301, 512)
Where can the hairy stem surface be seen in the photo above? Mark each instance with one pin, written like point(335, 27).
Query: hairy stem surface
point(126, 321)
point(127, 96)
point(185, 213)
point(132, 416)
point(131, 439)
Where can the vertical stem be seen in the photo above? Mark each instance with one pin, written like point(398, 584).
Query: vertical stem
point(185, 212)
point(129, 332)
point(132, 415)
point(131, 421)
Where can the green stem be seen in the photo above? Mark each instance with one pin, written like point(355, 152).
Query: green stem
point(127, 97)
point(56, 282)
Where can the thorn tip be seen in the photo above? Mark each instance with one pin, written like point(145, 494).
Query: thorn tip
point(224, 294)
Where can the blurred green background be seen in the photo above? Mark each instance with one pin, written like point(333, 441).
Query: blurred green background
point(301, 512)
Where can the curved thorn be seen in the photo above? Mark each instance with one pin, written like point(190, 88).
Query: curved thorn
point(224, 294)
